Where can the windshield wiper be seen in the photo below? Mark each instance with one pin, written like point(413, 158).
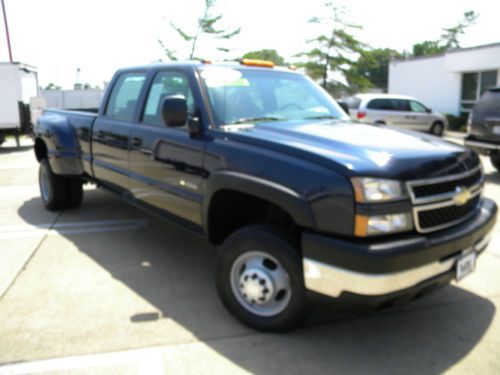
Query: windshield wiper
point(321, 117)
point(256, 119)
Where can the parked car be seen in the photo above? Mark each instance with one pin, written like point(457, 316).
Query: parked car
point(483, 128)
point(298, 198)
point(397, 110)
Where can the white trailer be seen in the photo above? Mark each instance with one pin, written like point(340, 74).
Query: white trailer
point(18, 84)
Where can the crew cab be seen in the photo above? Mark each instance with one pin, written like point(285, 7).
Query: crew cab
point(300, 200)
point(483, 127)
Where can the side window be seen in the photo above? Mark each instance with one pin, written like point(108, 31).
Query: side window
point(381, 104)
point(124, 97)
point(401, 105)
point(417, 107)
point(165, 84)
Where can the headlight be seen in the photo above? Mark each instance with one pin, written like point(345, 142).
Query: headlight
point(367, 189)
point(382, 224)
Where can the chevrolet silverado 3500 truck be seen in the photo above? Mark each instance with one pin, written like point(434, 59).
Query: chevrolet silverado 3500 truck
point(299, 199)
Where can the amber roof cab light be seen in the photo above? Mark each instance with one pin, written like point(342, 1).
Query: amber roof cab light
point(254, 62)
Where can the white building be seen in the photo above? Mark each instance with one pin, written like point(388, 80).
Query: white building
point(73, 99)
point(450, 82)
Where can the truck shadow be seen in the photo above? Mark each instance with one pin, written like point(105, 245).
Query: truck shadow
point(12, 149)
point(173, 271)
point(493, 177)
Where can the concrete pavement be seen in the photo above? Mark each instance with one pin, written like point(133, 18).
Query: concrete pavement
point(107, 288)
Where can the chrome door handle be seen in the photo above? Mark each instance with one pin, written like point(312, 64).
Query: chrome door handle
point(136, 142)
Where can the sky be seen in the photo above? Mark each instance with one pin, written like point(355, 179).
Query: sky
point(100, 36)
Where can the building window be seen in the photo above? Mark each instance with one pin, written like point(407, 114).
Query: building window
point(473, 86)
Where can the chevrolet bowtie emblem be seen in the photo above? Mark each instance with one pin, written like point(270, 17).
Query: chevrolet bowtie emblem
point(462, 195)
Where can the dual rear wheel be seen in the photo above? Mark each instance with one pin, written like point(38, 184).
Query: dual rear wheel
point(58, 192)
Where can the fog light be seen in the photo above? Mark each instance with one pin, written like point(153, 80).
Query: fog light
point(382, 224)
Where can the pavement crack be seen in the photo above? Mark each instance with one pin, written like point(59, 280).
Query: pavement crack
point(31, 256)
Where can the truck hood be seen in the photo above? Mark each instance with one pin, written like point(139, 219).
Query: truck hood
point(359, 149)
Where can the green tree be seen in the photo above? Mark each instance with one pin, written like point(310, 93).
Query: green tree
point(206, 25)
point(372, 69)
point(266, 54)
point(428, 47)
point(451, 34)
point(52, 86)
point(449, 39)
point(334, 51)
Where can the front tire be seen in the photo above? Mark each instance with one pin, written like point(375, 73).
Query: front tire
point(495, 160)
point(437, 129)
point(259, 278)
point(58, 192)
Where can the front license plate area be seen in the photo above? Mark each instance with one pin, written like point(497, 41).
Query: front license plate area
point(466, 265)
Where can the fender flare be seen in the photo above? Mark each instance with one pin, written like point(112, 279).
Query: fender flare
point(63, 151)
point(287, 199)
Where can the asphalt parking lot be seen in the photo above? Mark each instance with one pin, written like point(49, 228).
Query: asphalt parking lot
point(107, 288)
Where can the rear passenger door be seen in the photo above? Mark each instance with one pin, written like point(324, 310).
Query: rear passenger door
point(420, 117)
point(111, 130)
point(165, 162)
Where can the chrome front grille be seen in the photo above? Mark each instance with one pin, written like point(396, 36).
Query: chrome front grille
point(445, 201)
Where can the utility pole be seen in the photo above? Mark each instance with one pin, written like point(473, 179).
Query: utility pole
point(7, 32)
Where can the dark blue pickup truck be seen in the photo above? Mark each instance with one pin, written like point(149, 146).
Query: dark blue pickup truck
point(300, 199)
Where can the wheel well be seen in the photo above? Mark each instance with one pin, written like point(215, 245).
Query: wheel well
point(40, 149)
point(230, 210)
point(381, 122)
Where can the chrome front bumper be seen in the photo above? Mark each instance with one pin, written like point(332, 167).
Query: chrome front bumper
point(332, 281)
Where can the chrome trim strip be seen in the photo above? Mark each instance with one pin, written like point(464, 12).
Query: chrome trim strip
point(482, 145)
point(436, 180)
point(332, 281)
point(448, 203)
point(444, 196)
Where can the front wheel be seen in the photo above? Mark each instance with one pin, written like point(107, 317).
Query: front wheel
point(259, 278)
point(495, 160)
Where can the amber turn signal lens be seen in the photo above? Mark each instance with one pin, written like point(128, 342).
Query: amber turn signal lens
point(361, 226)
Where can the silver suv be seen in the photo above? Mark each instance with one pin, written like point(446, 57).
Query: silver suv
point(397, 110)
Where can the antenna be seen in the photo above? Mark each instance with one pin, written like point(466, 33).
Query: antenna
point(7, 32)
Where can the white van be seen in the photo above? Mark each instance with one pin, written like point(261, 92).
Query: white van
point(397, 110)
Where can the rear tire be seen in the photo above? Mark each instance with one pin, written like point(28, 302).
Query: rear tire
point(259, 278)
point(58, 192)
point(495, 160)
point(437, 129)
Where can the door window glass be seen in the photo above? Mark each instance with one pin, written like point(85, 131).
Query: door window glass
point(166, 84)
point(417, 107)
point(125, 95)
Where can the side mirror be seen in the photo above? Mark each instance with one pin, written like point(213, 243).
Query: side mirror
point(428, 110)
point(174, 110)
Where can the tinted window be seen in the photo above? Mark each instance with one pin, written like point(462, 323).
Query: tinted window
point(417, 107)
point(165, 84)
point(469, 86)
point(488, 80)
point(124, 97)
point(384, 104)
point(389, 104)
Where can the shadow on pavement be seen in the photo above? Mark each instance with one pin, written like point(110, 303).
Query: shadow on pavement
point(10, 149)
point(173, 271)
point(493, 177)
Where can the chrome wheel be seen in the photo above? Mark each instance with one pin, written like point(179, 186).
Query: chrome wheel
point(44, 184)
point(260, 284)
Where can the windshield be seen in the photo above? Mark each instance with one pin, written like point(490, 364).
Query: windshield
point(253, 96)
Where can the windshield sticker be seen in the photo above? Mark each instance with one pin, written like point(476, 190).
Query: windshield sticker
point(223, 77)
